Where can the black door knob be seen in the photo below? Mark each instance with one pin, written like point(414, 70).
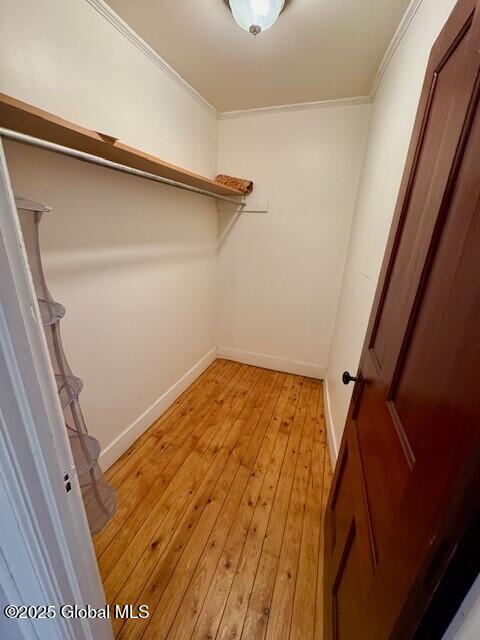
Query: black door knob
point(347, 378)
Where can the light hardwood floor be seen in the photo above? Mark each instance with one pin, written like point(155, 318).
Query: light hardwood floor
point(220, 518)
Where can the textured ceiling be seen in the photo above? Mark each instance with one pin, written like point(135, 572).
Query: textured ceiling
point(318, 49)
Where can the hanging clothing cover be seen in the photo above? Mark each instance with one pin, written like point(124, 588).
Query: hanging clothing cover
point(99, 497)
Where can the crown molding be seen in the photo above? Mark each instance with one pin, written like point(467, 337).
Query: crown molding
point(126, 30)
point(408, 16)
point(301, 106)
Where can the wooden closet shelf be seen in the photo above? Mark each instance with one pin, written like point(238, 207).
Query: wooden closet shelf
point(25, 118)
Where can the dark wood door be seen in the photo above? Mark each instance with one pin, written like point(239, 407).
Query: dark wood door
point(413, 427)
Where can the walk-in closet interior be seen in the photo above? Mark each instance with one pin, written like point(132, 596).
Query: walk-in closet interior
point(203, 194)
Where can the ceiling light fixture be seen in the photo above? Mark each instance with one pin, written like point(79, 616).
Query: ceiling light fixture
point(256, 15)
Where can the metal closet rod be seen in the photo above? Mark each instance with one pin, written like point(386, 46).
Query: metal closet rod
point(87, 157)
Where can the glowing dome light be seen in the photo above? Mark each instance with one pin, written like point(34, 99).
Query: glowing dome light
point(256, 15)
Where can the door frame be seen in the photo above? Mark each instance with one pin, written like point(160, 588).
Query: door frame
point(46, 551)
point(444, 580)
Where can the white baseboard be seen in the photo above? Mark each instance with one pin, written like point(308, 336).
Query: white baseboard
point(332, 441)
point(114, 450)
point(272, 362)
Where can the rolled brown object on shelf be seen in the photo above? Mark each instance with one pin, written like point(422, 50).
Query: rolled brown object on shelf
point(245, 186)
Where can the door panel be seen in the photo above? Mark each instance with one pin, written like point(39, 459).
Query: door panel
point(414, 420)
point(450, 93)
point(349, 536)
point(385, 467)
point(347, 603)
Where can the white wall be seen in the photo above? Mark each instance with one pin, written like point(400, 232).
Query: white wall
point(280, 272)
point(393, 115)
point(134, 262)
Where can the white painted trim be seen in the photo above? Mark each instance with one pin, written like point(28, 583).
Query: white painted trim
point(121, 443)
point(132, 36)
point(40, 520)
point(407, 18)
point(126, 30)
point(272, 362)
point(301, 106)
point(331, 439)
point(409, 14)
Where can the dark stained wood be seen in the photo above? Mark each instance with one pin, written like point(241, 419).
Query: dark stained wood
point(25, 118)
point(407, 475)
point(221, 502)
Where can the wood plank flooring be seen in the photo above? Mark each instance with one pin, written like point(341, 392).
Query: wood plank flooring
point(219, 528)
